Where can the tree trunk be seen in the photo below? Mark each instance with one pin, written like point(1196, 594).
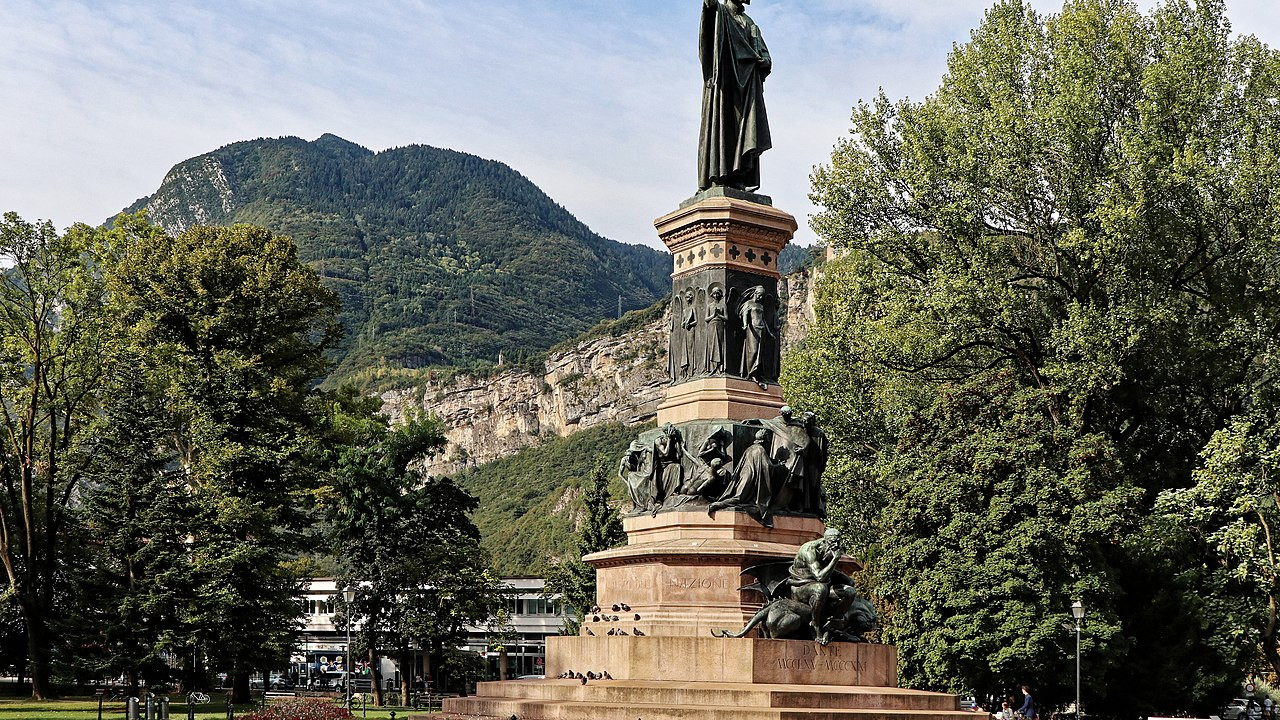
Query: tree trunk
point(407, 675)
point(240, 693)
point(375, 678)
point(38, 655)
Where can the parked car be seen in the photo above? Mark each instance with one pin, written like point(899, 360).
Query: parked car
point(1235, 710)
point(336, 681)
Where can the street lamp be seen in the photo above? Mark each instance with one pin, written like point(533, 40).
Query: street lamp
point(349, 595)
point(1077, 611)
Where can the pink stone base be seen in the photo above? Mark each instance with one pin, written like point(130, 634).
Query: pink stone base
point(682, 572)
point(737, 660)
point(685, 700)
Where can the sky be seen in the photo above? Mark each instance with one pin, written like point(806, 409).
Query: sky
point(595, 101)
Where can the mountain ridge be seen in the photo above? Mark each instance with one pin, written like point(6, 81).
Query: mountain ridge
point(441, 258)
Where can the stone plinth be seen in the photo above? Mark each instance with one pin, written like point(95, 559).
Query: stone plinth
point(726, 232)
point(727, 398)
point(691, 700)
point(681, 572)
point(724, 252)
point(711, 659)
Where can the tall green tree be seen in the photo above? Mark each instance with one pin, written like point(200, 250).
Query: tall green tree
point(600, 529)
point(238, 326)
point(51, 324)
point(406, 544)
point(135, 512)
point(1057, 284)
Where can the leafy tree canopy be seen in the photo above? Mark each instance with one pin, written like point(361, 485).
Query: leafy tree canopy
point(1058, 282)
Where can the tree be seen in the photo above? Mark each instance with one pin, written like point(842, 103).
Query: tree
point(1231, 515)
point(407, 545)
point(1079, 229)
point(601, 529)
point(135, 590)
point(237, 328)
point(51, 323)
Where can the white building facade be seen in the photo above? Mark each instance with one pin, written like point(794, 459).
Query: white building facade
point(532, 618)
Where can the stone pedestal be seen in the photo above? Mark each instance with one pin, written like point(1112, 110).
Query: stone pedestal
point(730, 245)
point(681, 572)
point(725, 660)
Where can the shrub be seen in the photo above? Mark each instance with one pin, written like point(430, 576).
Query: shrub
point(301, 709)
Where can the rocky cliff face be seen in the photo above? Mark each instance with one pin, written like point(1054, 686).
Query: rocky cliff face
point(602, 380)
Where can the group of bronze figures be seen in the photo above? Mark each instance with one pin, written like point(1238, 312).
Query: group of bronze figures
point(699, 344)
point(760, 467)
point(808, 598)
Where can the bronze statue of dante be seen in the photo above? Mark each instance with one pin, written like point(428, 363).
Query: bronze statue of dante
point(735, 128)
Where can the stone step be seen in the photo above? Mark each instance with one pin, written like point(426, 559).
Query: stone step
point(731, 694)
point(474, 708)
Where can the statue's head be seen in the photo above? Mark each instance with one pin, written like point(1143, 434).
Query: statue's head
point(738, 4)
point(786, 412)
point(717, 292)
point(688, 295)
point(831, 539)
point(810, 418)
point(761, 435)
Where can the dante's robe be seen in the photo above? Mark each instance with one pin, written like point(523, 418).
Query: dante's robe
point(735, 128)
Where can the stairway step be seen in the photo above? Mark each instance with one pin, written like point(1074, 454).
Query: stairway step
point(503, 708)
point(715, 694)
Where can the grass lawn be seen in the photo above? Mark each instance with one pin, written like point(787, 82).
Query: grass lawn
point(85, 709)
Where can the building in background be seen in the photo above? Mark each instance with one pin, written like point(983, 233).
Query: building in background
point(322, 650)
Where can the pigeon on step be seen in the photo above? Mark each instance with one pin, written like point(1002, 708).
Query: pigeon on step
point(589, 632)
point(637, 632)
point(626, 607)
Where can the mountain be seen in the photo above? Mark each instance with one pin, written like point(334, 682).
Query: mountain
point(440, 258)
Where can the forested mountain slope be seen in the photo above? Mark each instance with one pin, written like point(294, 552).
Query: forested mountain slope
point(440, 258)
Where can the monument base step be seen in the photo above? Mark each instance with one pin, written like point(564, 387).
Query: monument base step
point(628, 700)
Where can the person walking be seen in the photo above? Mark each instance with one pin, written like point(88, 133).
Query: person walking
point(1028, 709)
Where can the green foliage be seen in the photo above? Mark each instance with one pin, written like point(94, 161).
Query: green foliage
point(406, 544)
point(997, 518)
point(1230, 516)
point(601, 529)
point(630, 322)
point(1058, 283)
point(134, 592)
point(530, 502)
point(52, 328)
point(231, 327)
point(440, 258)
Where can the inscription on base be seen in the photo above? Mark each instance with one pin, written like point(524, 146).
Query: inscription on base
point(816, 657)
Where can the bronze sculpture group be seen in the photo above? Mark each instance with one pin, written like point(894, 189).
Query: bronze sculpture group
point(808, 598)
point(779, 470)
point(701, 345)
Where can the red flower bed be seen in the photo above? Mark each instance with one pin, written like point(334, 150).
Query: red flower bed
point(303, 709)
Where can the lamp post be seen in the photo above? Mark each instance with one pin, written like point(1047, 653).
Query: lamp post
point(1077, 611)
point(349, 595)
